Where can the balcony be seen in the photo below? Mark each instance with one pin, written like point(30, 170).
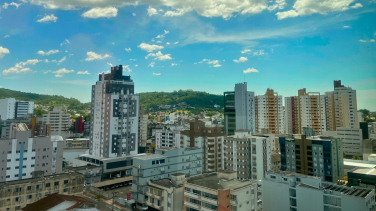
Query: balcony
point(154, 205)
point(191, 195)
point(154, 196)
point(233, 202)
point(192, 205)
point(209, 200)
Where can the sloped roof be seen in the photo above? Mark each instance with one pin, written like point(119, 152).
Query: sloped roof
point(53, 200)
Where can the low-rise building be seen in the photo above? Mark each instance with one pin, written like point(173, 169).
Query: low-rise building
point(15, 195)
point(167, 138)
point(220, 191)
point(361, 176)
point(351, 139)
point(59, 121)
point(166, 194)
point(163, 164)
point(92, 174)
point(80, 143)
point(284, 190)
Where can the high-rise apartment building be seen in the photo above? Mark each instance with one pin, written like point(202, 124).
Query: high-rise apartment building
point(142, 127)
point(114, 115)
point(269, 112)
point(314, 156)
point(284, 190)
point(249, 156)
point(239, 108)
point(59, 121)
point(220, 191)
point(346, 107)
point(305, 110)
point(210, 139)
point(23, 154)
point(11, 108)
point(160, 165)
point(351, 139)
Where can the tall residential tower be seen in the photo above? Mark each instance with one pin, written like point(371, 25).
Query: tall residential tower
point(114, 115)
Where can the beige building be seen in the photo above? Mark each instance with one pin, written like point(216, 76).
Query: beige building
point(269, 112)
point(166, 194)
point(210, 138)
point(59, 121)
point(78, 143)
point(142, 127)
point(249, 156)
point(220, 191)
point(15, 195)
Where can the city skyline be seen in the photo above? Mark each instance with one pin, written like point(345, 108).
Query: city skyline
point(49, 48)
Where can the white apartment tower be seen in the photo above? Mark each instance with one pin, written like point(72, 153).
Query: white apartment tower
point(59, 121)
point(11, 108)
point(346, 109)
point(114, 115)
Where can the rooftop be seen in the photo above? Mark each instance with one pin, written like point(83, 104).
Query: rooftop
point(163, 182)
point(211, 181)
point(53, 200)
point(108, 159)
point(289, 173)
point(367, 171)
point(150, 156)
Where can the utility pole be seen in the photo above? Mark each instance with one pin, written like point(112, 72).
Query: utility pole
point(113, 199)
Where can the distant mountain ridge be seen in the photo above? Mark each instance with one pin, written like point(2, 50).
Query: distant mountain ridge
point(147, 99)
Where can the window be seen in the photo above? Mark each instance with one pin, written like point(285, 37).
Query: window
point(57, 183)
point(47, 193)
point(273, 177)
point(65, 190)
point(38, 195)
point(18, 199)
point(48, 185)
point(29, 197)
point(65, 181)
point(298, 179)
point(28, 187)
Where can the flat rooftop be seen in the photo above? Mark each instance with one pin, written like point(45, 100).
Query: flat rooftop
point(163, 182)
point(211, 181)
point(35, 180)
point(150, 156)
point(114, 158)
point(367, 171)
point(289, 173)
point(362, 164)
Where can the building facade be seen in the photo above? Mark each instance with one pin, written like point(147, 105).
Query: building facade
point(167, 138)
point(269, 112)
point(166, 194)
point(319, 156)
point(114, 115)
point(346, 109)
point(22, 155)
point(15, 195)
point(161, 165)
point(283, 190)
point(249, 156)
point(210, 139)
point(220, 191)
point(11, 108)
point(239, 109)
point(59, 121)
point(351, 139)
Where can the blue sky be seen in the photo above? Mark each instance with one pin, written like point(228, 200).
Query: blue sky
point(59, 47)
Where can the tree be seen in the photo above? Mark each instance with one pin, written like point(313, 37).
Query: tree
point(39, 112)
point(210, 113)
point(355, 157)
point(365, 113)
point(344, 154)
point(98, 197)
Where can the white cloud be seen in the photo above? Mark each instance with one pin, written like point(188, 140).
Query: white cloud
point(159, 56)
point(48, 53)
point(347, 27)
point(61, 72)
point(107, 12)
point(5, 6)
point(1, 86)
point(3, 51)
point(152, 11)
point(149, 48)
point(66, 41)
point(62, 60)
point(258, 53)
point(48, 18)
point(128, 49)
point(241, 59)
point(6, 36)
point(173, 64)
point(250, 70)
point(91, 56)
point(126, 68)
point(176, 42)
point(309, 7)
point(168, 43)
point(133, 59)
point(136, 65)
point(156, 73)
point(83, 72)
point(362, 40)
point(151, 64)
point(109, 64)
point(19, 67)
point(113, 43)
point(245, 51)
point(215, 63)
point(134, 14)
point(159, 41)
point(372, 40)
point(48, 71)
point(162, 35)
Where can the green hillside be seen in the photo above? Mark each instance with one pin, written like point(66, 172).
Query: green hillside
point(200, 100)
point(46, 100)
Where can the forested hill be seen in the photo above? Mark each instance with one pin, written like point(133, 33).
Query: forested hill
point(147, 99)
point(192, 98)
point(46, 100)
